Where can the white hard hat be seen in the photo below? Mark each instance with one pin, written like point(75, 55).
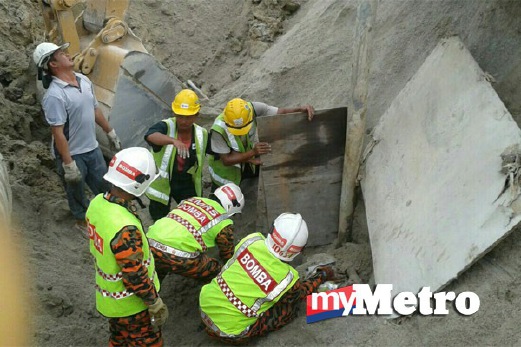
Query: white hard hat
point(44, 50)
point(133, 170)
point(288, 237)
point(231, 198)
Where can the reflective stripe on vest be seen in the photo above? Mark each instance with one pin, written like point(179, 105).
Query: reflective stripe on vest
point(119, 275)
point(221, 180)
point(157, 194)
point(163, 169)
point(274, 293)
point(171, 250)
point(191, 229)
point(199, 138)
point(116, 295)
point(248, 312)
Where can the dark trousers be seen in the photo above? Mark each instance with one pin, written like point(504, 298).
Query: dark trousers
point(92, 167)
point(201, 268)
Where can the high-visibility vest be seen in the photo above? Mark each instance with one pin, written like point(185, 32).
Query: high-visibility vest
point(190, 228)
point(159, 190)
point(250, 283)
point(220, 173)
point(104, 220)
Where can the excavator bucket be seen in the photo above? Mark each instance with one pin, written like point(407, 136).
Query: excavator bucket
point(142, 96)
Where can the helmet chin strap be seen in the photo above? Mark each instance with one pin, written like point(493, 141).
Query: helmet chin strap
point(46, 81)
point(45, 77)
point(139, 201)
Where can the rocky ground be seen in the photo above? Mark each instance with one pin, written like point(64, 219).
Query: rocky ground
point(285, 53)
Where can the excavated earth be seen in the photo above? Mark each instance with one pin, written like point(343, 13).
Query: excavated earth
point(285, 53)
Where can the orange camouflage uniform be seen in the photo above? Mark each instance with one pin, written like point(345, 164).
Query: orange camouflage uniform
point(283, 312)
point(202, 267)
point(127, 246)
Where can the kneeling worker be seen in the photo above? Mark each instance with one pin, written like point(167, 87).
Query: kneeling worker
point(126, 283)
point(257, 291)
point(179, 240)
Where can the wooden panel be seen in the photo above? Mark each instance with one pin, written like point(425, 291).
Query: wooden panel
point(304, 171)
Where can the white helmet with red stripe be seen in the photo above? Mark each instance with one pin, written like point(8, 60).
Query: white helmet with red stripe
point(288, 236)
point(230, 197)
point(133, 170)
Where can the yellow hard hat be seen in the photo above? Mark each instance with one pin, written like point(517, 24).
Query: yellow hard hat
point(238, 116)
point(186, 103)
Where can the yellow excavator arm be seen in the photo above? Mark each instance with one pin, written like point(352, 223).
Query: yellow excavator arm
point(133, 89)
point(63, 21)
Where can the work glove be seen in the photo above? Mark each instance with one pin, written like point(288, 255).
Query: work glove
point(114, 140)
point(158, 312)
point(72, 173)
point(326, 272)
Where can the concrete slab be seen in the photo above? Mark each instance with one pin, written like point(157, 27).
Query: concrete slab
point(432, 181)
point(304, 170)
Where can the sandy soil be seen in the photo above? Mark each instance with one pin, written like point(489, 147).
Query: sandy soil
point(261, 51)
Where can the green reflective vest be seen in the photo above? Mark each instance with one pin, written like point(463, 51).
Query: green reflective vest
point(191, 227)
point(159, 190)
point(250, 283)
point(220, 173)
point(104, 220)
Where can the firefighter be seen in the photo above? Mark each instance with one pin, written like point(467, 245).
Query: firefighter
point(179, 149)
point(179, 241)
point(257, 291)
point(126, 282)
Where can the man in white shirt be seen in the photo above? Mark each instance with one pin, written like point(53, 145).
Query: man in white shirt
point(72, 111)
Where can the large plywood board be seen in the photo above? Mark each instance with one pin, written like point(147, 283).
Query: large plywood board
point(433, 179)
point(304, 171)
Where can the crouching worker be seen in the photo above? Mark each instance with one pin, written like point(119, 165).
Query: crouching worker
point(257, 291)
point(179, 240)
point(126, 283)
